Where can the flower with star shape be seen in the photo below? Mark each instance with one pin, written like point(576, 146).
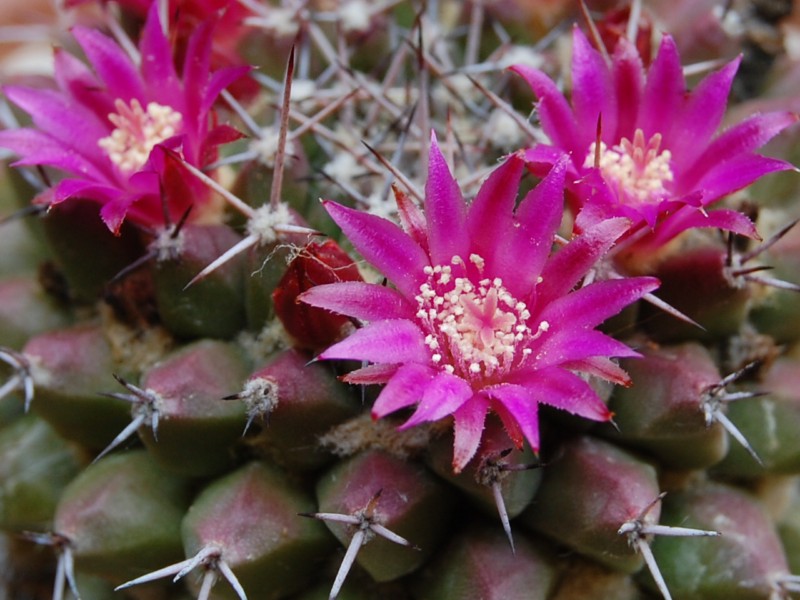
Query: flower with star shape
point(644, 147)
point(103, 127)
point(483, 315)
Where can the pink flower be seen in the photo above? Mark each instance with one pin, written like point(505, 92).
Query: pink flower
point(101, 126)
point(482, 316)
point(660, 161)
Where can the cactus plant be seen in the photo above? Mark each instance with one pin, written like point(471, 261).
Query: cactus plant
point(529, 344)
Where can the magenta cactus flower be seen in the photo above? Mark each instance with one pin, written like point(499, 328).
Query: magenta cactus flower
point(482, 316)
point(643, 147)
point(101, 125)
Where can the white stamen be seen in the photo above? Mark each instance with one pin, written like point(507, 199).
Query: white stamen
point(638, 171)
point(137, 131)
point(479, 327)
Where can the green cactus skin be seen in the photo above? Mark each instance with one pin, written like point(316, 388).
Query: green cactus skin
point(308, 401)
point(662, 413)
point(412, 504)
point(588, 491)
point(122, 516)
point(479, 563)
point(742, 564)
point(211, 307)
point(71, 367)
point(251, 515)
point(197, 429)
point(35, 466)
point(26, 310)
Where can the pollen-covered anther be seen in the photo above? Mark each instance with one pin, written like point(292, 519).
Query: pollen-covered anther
point(636, 168)
point(137, 131)
point(480, 325)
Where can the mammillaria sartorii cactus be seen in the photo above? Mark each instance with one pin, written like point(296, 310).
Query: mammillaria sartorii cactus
point(551, 322)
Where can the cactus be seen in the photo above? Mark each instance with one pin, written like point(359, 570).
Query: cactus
point(414, 300)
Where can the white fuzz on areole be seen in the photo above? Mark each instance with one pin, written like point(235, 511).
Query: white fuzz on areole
point(475, 328)
point(635, 168)
point(137, 131)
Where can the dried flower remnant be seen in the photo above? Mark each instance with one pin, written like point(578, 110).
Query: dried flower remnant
point(102, 125)
point(469, 327)
point(644, 147)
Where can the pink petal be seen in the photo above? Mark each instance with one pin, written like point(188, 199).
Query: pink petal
point(700, 116)
point(80, 84)
point(568, 265)
point(689, 218)
point(541, 158)
point(556, 116)
point(468, 424)
point(158, 69)
point(371, 374)
point(663, 92)
point(218, 81)
point(538, 216)
point(489, 217)
point(412, 219)
point(404, 389)
point(196, 69)
point(364, 301)
point(384, 245)
point(392, 341)
point(445, 210)
point(600, 366)
point(111, 64)
point(37, 148)
point(743, 138)
point(62, 119)
point(591, 305)
point(522, 405)
point(628, 76)
point(737, 173)
point(592, 93)
point(443, 395)
point(563, 390)
point(563, 345)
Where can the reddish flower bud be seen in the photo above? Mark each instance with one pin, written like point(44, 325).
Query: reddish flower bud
point(318, 263)
point(614, 25)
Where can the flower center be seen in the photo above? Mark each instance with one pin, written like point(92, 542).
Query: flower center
point(474, 328)
point(636, 169)
point(137, 132)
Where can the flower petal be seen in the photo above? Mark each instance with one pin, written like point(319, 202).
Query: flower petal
point(628, 76)
point(393, 341)
point(700, 116)
point(564, 390)
point(555, 114)
point(384, 245)
point(663, 91)
point(522, 405)
point(563, 345)
point(371, 374)
point(594, 303)
point(404, 389)
point(746, 137)
point(364, 301)
point(445, 210)
point(538, 217)
point(592, 92)
point(62, 119)
point(158, 69)
point(111, 64)
point(442, 396)
point(489, 217)
point(468, 424)
point(569, 264)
